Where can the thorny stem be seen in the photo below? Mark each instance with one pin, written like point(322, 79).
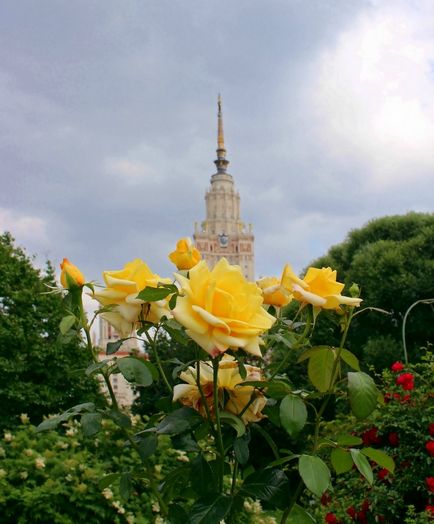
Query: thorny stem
point(153, 344)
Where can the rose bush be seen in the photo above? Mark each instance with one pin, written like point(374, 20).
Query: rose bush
point(226, 403)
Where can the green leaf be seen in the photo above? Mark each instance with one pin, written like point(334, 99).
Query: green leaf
point(311, 351)
point(241, 448)
point(381, 458)
point(179, 421)
point(176, 331)
point(362, 464)
point(177, 514)
point(266, 484)
point(184, 442)
point(350, 359)
point(90, 423)
point(135, 371)
point(210, 510)
point(363, 394)
point(299, 515)
point(234, 421)
point(120, 419)
point(53, 422)
point(202, 476)
point(125, 486)
point(146, 444)
point(48, 424)
point(348, 440)
point(66, 323)
point(320, 369)
point(108, 480)
point(278, 389)
point(113, 347)
point(315, 474)
point(341, 460)
point(293, 414)
point(153, 294)
point(96, 366)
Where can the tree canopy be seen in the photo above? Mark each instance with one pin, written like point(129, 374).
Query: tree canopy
point(41, 373)
point(392, 259)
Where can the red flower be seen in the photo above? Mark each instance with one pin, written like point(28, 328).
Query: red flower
point(365, 505)
point(396, 367)
point(406, 381)
point(325, 499)
point(393, 439)
point(430, 447)
point(429, 481)
point(387, 397)
point(370, 436)
point(382, 473)
point(397, 396)
point(351, 511)
point(361, 517)
point(406, 398)
point(330, 518)
point(431, 429)
point(430, 509)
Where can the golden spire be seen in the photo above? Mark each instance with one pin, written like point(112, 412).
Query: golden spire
point(221, 161)
point(220, 135)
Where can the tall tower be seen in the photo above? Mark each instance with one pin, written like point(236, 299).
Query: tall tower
point(222, 233)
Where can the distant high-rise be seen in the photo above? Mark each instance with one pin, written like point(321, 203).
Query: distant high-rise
point(223, 233)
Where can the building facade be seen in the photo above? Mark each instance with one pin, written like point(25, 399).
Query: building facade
point(223, 233)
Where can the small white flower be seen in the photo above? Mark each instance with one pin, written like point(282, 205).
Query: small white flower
point(130, 518)
point(24, 475)
point(157, 468)
point(107, 493)
point(156, 507)
point(69, 477)
point(2, 452)
point(28, 452)
point(159, 520)
point(117, 505)
point(39, 463)
point(2, 473)
point(24, 418)
point(8, 436)
point(70, 432)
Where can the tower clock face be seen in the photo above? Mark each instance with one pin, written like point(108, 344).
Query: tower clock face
point(223, 240)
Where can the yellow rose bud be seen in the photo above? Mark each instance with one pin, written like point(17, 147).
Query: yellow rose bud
point(70, 275)
point(274, 293)
point(186, 255)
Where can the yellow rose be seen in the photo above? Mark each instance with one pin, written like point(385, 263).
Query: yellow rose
point(274, 293)
point(186, 255)
point(230, 387)
point(321, 289)
point(122, 289)
point(221, 310)
point(70, 275)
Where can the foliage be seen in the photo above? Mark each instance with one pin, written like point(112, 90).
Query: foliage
point(217, 396)
point(41, 372)
point(402, 429)
point(393, 258)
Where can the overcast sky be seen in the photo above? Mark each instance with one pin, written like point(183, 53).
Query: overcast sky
point(108, 122)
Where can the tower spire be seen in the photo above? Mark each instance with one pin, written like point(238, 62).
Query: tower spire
point(221, 161)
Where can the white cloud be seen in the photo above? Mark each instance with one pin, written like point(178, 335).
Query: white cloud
point(373, 95)
point(28, 229)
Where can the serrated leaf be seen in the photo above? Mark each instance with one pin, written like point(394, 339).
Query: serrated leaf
point(184, 442)
point(153, 294)
point(299, 515)
point(320, 369)
point(108, 480)
point(202, 476)
point(234, 421)
point(381, 458)
point(315, 474)
point(293, 414)
point(125, 486)
point(362, 464)
point(120, 419)
point(348, 440)
point(363, 394)
point(66, 323)
point(179, 421)
point(113, 347)
point(350, 359)
point(48, 424)
point(341, 460)
point(266, 484)
point(90, 423)
point(210, 510)
point(241, 448)
point(135, 371)
point(311, 351)
point(146, 444)
point(96, 366)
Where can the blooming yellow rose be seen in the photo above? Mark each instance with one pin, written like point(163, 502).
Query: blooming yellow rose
point(274, 293)
point(230, 387)
point(186, 255)
point(221, 310)
point(75, 276)
point(122, 289)
point(320, 288)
